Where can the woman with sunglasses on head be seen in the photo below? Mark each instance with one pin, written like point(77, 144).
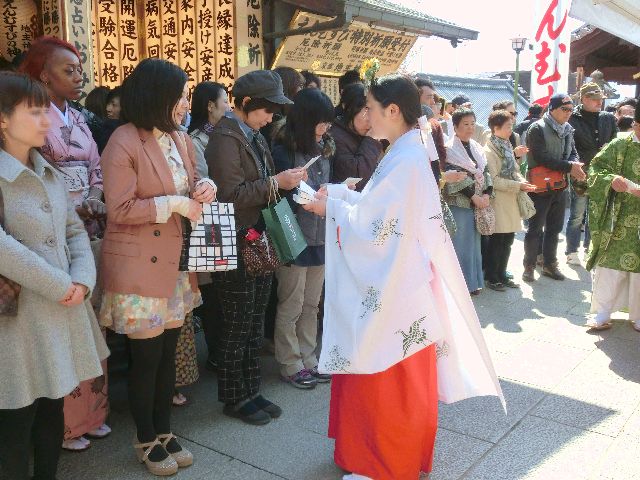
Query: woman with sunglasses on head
point(400, 331)
point(300, 284)
point(70, 146)
point(241, 165)
point(52, 344)
point(151, 192)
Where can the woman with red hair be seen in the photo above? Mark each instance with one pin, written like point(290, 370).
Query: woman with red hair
point(70, 146)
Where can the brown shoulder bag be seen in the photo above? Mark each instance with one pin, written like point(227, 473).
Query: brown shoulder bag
point(9, 290)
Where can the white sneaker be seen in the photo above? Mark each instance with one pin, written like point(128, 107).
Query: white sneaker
point(574, 259)
point(76, 444)
point(100, 432)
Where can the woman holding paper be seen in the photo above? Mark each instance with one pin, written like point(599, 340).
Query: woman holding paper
point(400, 331)
point(302, 139)
point(151, 190)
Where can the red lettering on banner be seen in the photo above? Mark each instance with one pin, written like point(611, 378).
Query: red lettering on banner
point(548, 20)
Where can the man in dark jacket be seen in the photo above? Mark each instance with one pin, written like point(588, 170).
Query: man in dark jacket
point(551, 145)
point(593, 129)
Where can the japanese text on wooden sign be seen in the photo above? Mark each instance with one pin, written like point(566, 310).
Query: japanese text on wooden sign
point(18, 27)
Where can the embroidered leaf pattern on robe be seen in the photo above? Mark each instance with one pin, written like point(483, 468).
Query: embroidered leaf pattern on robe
point(371, 301)
point(382, 230)
point(443, 225)
point(414, 336)
point(442, 350)
point(65, 133)
point(337, 363)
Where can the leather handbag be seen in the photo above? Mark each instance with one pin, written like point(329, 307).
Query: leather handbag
point(9, 290)
point(547, 180)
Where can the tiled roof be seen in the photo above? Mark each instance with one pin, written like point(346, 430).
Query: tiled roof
point(483, 92)
point(413, 19)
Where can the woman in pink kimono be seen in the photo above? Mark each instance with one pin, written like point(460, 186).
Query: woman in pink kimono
point(70, 146)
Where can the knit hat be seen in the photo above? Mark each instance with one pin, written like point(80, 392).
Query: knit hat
point(557, 101)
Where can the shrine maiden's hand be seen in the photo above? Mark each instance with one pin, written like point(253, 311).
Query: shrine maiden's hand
point(319, 207)
point(619, 184)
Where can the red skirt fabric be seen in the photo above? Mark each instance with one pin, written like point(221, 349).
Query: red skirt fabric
point(385, 424)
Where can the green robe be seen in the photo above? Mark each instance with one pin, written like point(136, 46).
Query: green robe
point(614, 218)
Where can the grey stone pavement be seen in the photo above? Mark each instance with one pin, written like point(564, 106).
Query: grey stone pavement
point(573, 403)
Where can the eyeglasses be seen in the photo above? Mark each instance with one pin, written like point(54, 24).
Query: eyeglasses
point(566, 109)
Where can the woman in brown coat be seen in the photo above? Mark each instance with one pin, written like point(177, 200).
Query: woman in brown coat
point(150, 191)
point(507, 182)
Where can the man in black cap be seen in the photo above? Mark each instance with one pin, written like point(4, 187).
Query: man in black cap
point(593, 129)
point(552, 154)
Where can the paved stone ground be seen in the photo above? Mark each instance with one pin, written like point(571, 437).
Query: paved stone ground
point(573, 407)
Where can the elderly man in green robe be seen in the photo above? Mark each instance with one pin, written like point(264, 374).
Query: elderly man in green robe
point(614, 215)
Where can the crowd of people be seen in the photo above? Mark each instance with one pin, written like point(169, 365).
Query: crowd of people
point(95, 200)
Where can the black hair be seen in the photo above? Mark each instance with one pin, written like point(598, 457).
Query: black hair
point(257, 104)
point(631, 102)
point(459, 114)
point(310, 77)
point(625, 123)
point(150, 94)
point(311, 107)
point(424, 82)
point(16, 88)
point(115, 92)
point(401, 90)
point(353, 100)
point(503, 105)
point(611, 108)
point(204, 93)
point(535, 110)
point(349, 77)
point(96, 101)
point(292, 81)
point(498, 118)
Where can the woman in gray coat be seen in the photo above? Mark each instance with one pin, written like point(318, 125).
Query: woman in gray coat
point(53, 343)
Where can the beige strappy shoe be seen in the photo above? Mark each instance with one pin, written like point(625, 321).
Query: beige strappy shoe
point(165, 467)
point(184, 457)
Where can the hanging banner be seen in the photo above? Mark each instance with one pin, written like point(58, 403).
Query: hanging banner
point(333, 52)
point(551, 43)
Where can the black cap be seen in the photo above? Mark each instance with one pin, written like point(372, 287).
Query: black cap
point(261, 84)
point(558, 100)
point(460, 99)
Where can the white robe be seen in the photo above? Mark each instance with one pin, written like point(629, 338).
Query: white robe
point(393, 284)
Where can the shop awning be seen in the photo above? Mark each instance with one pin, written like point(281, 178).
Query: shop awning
point(618, 17)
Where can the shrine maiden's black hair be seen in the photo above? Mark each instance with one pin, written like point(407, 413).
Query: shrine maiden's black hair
point(400, 90)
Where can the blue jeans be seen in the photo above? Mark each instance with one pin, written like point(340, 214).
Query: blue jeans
point(577, 213)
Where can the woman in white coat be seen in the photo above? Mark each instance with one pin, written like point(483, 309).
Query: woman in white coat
point(53, 343)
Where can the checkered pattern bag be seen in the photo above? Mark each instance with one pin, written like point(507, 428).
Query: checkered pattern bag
point(9, 290)
point(211, 245)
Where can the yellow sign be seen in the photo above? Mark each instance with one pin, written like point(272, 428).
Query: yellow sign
point(333, 52)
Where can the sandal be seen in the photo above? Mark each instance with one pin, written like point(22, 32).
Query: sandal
point(179, 400)
point(165, 467)
point(593, 325)
point(78, 444)
point(183, 457)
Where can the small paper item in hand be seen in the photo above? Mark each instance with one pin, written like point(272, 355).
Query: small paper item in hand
point(305, 194)
point(352, 181)
point(311, 162)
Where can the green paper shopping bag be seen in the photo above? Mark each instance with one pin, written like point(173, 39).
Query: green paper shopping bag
point(283, 228)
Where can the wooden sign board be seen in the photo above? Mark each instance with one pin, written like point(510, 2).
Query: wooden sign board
point(333, 52)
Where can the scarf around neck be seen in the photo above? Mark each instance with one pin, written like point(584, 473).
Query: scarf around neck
point(508, 169)
point(562, 130)
point(457, 155)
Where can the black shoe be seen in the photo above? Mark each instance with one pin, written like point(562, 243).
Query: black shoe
point(211, 364)
point(529, 274)
point(510, 283)
point(265, 405)
point(248, 413)
point(552, 271)
point(508, 275)
point(497, 286)
point(320, 377)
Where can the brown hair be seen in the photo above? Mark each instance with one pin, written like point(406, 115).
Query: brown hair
point(498, 118)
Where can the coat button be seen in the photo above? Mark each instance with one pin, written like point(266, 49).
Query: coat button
point(46, 207)
point(154, 259)
point(156, 233)
point(51, 241)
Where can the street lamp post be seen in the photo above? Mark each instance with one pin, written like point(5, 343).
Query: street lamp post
point(517, 44)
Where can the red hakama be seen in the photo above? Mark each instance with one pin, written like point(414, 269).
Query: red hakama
point(384, 424)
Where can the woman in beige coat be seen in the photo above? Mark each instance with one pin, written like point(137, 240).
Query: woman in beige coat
point(53, 343)
point(507, 183)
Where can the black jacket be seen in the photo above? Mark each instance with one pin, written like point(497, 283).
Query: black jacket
point(554, 157)
point(590, 141)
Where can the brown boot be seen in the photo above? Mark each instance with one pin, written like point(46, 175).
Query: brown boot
point(529, 274)
point(552, 271)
